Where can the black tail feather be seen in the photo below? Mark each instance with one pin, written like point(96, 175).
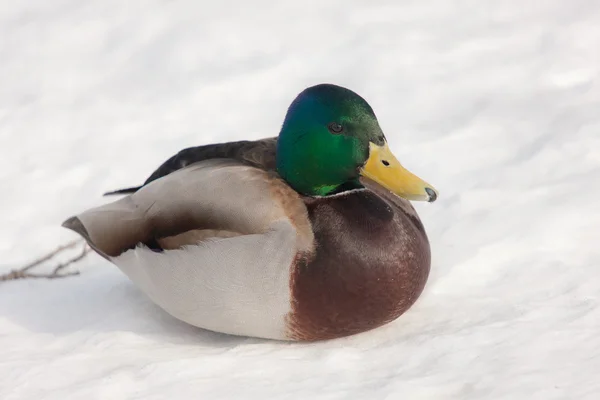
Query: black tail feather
point(123, 191)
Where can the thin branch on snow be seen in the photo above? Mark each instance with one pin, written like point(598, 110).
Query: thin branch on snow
point(23, 273)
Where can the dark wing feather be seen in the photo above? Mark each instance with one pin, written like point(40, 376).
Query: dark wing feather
point(258, 153)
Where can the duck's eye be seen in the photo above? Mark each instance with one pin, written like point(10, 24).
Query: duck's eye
point(335, 128)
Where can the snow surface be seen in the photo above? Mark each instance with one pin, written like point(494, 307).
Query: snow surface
point(496, 103)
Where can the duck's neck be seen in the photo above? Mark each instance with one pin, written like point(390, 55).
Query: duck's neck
point(314, 168)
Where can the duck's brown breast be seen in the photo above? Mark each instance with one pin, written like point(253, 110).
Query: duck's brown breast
point(370, 265)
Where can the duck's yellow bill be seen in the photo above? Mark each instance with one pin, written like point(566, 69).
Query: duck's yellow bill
point(383, 168)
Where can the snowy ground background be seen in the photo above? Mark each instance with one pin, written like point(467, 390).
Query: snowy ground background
point(496, 103)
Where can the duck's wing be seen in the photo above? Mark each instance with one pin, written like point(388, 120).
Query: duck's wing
point(257, 153)
point(212, 198)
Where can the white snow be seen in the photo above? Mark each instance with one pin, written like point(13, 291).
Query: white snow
point(496, 103)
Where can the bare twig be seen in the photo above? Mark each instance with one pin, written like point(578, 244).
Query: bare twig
point(48, 256)
point(23, 273)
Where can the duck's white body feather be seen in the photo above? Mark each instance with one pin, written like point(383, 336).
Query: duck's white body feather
point(239, 284)
point(234, 285)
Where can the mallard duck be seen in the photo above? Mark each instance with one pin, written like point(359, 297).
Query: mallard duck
point(305, 236)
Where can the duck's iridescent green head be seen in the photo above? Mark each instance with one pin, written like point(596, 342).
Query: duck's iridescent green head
point(331, 139)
